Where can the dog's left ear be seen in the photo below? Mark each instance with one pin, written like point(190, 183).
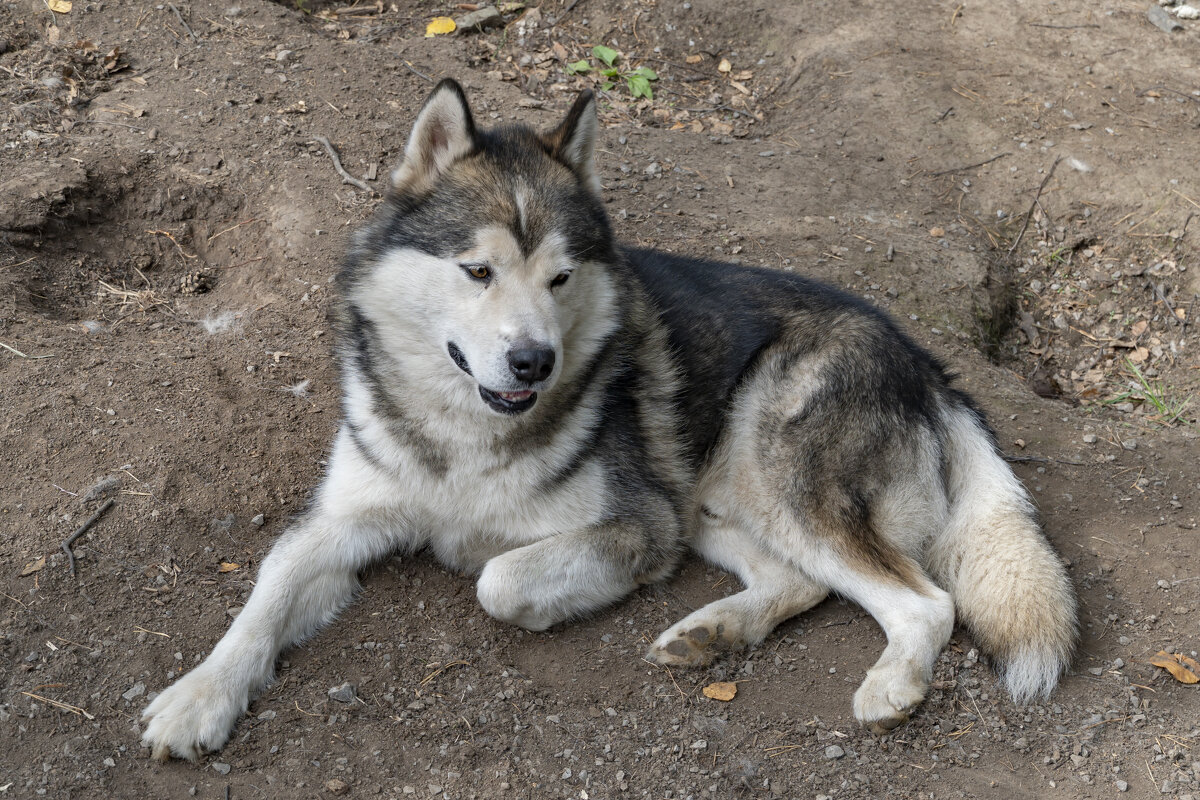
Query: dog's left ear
point(574, 141)
point(443, 133)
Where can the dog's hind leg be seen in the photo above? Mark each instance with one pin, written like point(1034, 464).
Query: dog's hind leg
point(775, 591)
point(916, 616)
point(308, 577)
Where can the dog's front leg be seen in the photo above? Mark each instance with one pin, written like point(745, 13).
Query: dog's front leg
point(308, 577)
point(575, 573)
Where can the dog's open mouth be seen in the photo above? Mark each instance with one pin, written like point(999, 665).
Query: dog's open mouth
point(509, 402)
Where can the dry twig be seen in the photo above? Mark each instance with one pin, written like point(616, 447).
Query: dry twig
point(81, 530)
point(337, 164)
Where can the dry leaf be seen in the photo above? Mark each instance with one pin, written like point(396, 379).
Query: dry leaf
point(33, 566)
point(439, 25)
point(1139, 328)
point(724, 66)
point(741, 88)
point(53, 34)
point(59, 6)
point(937, 233)
point(1175, 664)
point(1139, 355)
point(696, 59)
point(559, 51)
point(721, 690)
point(228, 566)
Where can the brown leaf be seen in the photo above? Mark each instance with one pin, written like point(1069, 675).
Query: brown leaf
point(1139, 355)
point(33, 566)
point(721, 690)
point(937, 233)
point(724, 66)
point(1175, 664)
point(696, 59)
point(1138, 328)
point(228, 566)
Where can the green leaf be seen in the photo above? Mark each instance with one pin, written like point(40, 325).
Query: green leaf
point(606, 86)
point(639, 86)
point(606, 54)
point(581, 65)
point(611, 72)
point(646, 73)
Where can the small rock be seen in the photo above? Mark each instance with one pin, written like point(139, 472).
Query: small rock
point(653, 169)
point(283, 55)
point(1089, 438)
point(135, 691)
point(834, 751)
point(1122, 786)
point(260, 520)
point(344, 693)
point(336, 786)
point(486, 17)
point(266, 715)
point(1129, 444)
point(766, 154)
point(1162, 19)
point(1187, 12)
point(221, 767)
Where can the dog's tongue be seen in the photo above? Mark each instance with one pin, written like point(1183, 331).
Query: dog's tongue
point(515, 397)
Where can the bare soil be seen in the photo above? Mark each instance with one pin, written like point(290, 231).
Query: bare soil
point(168, 231)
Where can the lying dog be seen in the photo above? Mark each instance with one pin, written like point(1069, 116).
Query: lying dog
point(563, 416)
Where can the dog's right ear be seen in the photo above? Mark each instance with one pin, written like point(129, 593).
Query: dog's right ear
point(444, 132)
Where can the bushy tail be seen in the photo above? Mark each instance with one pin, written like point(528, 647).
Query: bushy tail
point(1009, 586)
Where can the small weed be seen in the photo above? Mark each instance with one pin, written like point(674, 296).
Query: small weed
point(1057, 256)
point(637, 80)
point(1155, 394)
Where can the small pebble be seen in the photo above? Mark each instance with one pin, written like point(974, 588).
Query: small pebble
point(834, 751)
point(1089, 438)
point(344, 693)
point(221, 767)
point(1187, 12)
point(1122, 786)
point(260, 520)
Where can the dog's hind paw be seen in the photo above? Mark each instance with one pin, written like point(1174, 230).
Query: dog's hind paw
point(888, 696)
point(190, 717)
point(687, 645)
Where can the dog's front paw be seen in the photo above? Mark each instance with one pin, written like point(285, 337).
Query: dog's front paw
point(888, 696)
point(510, 593)
point(193, 715)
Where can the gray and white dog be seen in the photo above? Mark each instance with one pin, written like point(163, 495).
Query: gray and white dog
point(564, 416)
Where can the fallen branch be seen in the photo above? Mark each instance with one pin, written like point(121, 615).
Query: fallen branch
point(81, 530)
point(337, 164)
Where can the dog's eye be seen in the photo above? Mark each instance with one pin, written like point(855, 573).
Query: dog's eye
point(559, 279)
point(480, 272)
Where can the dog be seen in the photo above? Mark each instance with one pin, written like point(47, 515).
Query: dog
point(564, 417)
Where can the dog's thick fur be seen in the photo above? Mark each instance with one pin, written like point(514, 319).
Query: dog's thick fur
point(564, 417)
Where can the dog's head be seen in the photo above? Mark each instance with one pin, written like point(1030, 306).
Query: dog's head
point(489, 262)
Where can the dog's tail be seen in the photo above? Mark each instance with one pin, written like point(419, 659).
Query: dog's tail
point(1009, 586)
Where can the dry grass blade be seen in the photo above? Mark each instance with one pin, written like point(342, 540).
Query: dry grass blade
point(136, 300)
point(440, 670)
point(59, 704)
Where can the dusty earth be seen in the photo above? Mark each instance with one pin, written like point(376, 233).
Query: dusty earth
point(168, 230)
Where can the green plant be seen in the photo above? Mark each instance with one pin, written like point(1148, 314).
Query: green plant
point(1170, 409)
point(637, 80)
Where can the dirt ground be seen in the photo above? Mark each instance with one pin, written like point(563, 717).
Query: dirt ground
point(1014, 181)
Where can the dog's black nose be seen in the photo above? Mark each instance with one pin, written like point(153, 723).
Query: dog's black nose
point(531, 364)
